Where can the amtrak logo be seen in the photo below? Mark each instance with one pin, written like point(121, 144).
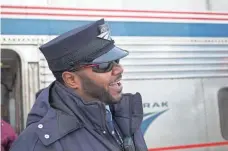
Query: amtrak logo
point(148, 119)
point(157, 108)
point(104, 32)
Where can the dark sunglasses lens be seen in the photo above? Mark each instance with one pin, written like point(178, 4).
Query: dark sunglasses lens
point(105, 67)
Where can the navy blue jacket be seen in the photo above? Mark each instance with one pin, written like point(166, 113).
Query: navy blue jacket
point(52, 129)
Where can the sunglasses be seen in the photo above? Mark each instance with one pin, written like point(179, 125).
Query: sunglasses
point(99, 68)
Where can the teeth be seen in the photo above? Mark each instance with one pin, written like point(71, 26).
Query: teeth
point(116, 83)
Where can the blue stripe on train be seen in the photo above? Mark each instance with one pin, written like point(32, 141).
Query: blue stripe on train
point(119, 28)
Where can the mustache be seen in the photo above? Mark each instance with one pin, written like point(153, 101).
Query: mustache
point(118, 78)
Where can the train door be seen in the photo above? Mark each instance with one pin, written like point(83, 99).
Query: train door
point(216, 103)
point(11, 93)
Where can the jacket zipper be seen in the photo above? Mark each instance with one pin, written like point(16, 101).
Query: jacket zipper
point(103, 115)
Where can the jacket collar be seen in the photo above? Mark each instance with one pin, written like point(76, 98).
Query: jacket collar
point(52, 123)
point(92, 113)
point(128, 115)
point(56, 125)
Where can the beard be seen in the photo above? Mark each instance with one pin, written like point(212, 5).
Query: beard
point(95, 91)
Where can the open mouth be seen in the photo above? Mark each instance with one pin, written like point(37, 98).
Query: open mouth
point(116, 83)
point(115, 88)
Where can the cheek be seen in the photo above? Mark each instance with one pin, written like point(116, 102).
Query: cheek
point(102, 79)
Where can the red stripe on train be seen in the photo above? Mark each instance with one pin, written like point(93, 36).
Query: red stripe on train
point(112, 10)
point(191, 146)
point(111, 16)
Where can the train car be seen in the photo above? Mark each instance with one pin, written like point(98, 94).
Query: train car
point(178, 61)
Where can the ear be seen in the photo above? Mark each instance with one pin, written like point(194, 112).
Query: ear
point(71, 80)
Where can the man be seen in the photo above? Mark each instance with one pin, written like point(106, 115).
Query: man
point(84, 109)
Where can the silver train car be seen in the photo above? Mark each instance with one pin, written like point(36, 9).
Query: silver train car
point(183, 82)
point(178, 62)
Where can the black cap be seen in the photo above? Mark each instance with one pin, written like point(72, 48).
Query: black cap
point(90, 43)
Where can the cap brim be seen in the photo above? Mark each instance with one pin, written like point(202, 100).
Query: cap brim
point(114, 54)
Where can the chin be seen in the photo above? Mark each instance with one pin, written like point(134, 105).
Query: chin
point(117, 98)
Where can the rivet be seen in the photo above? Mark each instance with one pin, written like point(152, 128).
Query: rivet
point(40, 126)
point(46, 136)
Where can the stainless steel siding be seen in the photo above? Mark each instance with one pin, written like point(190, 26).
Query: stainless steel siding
point(175, 61)
point(46, 76)
point(151, 61)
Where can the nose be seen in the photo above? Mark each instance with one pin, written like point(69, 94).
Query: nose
point(117, 69)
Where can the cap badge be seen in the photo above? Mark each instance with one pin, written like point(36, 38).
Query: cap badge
point(104, 32)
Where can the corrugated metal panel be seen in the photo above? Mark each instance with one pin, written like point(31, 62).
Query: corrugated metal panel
point(33, 83)
point(158, 62)
point(173, 61)
point(46, 76)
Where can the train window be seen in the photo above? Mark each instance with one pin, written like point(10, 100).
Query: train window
point(223, 112)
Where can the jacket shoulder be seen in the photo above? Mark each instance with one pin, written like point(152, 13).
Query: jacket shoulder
point(130, 97)
point(26, 141)
point(29, 140)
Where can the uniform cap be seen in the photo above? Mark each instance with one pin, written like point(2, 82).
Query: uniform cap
point(90, 43)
